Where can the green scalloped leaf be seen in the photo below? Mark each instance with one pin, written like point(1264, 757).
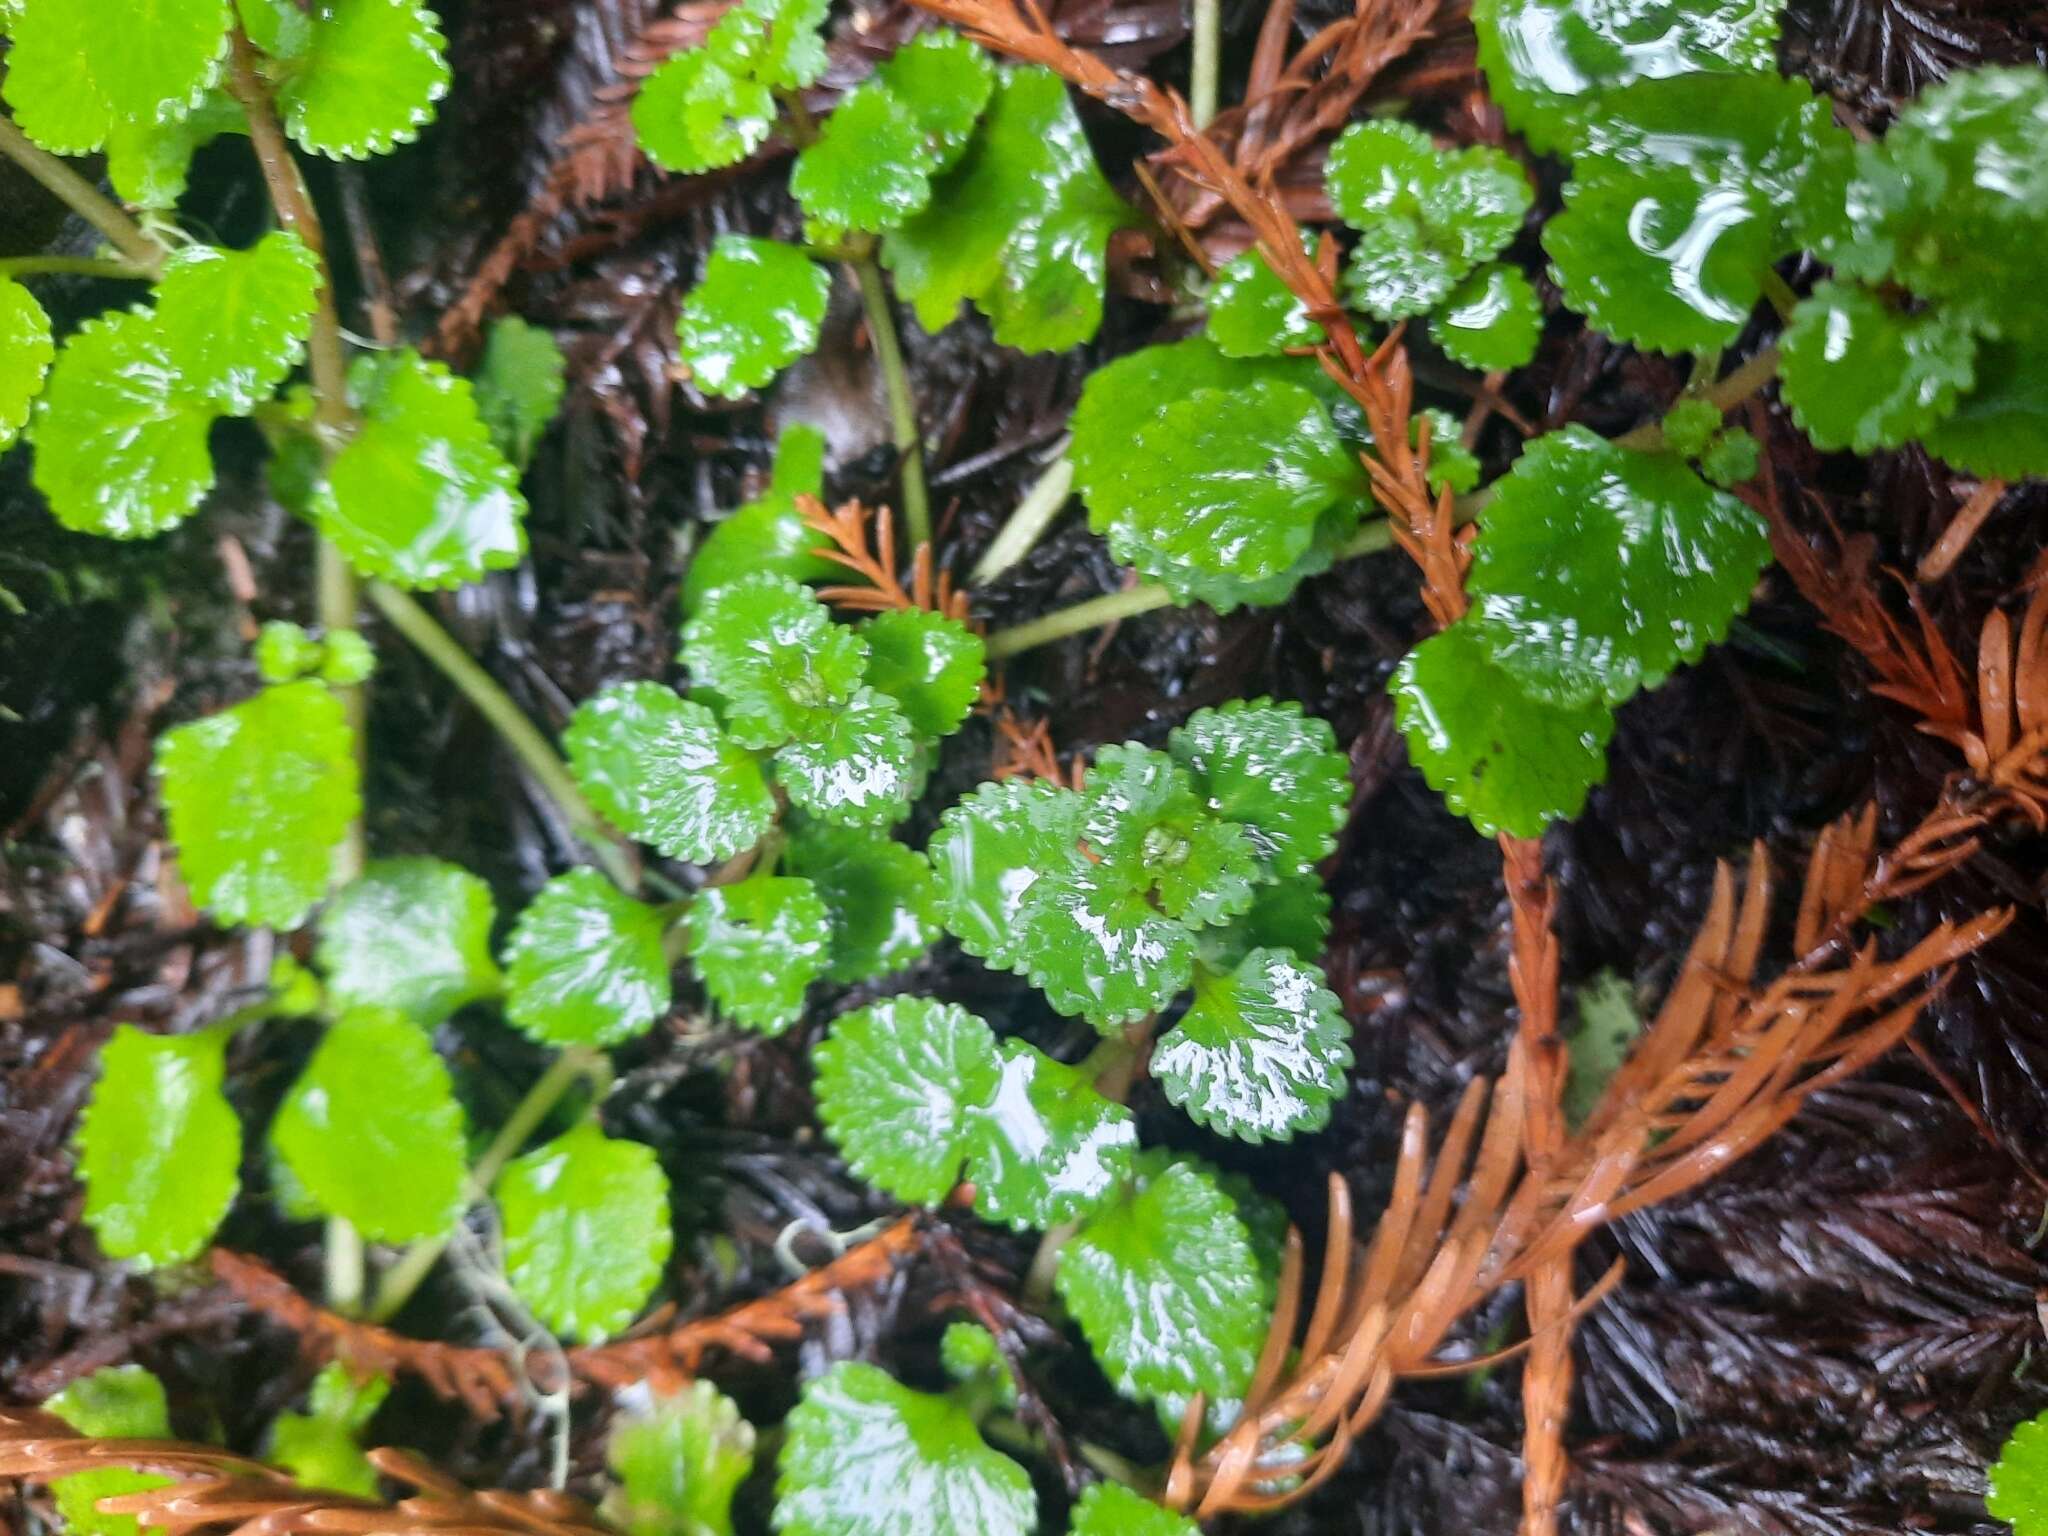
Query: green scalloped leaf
point(767, 535)
point(2019, 1480)
point(988, 852)
point(756, 311)
point(930, 664)
point(776, 663)
point(1597, 569)
point(1111, 1509)
point(1953, 202)
point(880, 896)
point(585, 964)
point(26, 351)
point(944, 81)
point(2001, 426)
point(119, 1402)
point(372, 1130)
point(867, 1456)
point(972, 1357)
point(74, 71)
point(1261, 1052)
point(421, 496)
point(757, 945)
point(1548, 62)
point(662, 770)
point(259, 798)
point(900, 1085)
point(235, 322)
point(857, 766)
point(1731, 458)
point(776, 42)
point(1224, 493)
point(1099, 950)
point(519, 386)
point(1121, 397)
point(412, 935)
point(367, 80)
point(149, 163)
point(1253, 314)
point(678, 1463)
point(587, 1231)
point(1502, 758)
point(320, 1448)
point(1273, 770)
point(1020, 226)
point(697, 113)
point(1490, 321)
point(1425, 216)
point(285, 652)
point(1860, 374)
point(159, 1147)
point(1151, 831)
point(1290, 913)
point(1044, 1146)
point(868, 169)
point(1166, 1286)
point(120, 441)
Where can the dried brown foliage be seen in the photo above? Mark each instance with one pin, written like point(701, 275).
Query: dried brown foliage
point(484, 1379)
point(863, 540)
point(216, 1491)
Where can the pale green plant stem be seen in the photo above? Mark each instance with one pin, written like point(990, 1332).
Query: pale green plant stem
point(532, 749)
point(881, 315)
point(576, 1063)
point(74, 266)
point(1024, 527)
point(82, 198)
point(1204, 68)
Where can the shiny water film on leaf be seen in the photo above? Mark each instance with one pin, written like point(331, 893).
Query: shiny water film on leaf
point(757, 310)
point(413, 935)
point(757, 946)
point(663, 771)
point(585, 964)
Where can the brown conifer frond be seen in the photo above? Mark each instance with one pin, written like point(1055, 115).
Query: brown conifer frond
point(1726, 1062)
point(863, 540)
point(483, 1379)
point(1027, 752)
point(216, 1491)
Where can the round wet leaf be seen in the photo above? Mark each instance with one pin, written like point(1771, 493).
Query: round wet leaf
point(1150, 830)
point(869, 169)
point(662, 770)
point(120, 1402)
point(1291, 913)
point(776, 42)
point(75, 70)
point(1503, 758)
point(880, 896)
point(768, 534)
point(235, 322)
point(930, 664)
point(587, 1233)
point(2019, 1479)
point(412, 935)
point(757, 310)
point(1253, 314)
point(159, 1147)
point(777, 664)
point(372, 1132)
point(678, 1464)
point(585, 965)
point(899, 1086)
point(258, 798)
point(757, 945)
point(1860, 374)
point(944, 81)
point(2001, 426)
point(368, 79)
point(1261, 1052)
point(990, 849)
point(26, 349)
point(1166, 1287)
point(1275, 771)
point(1490, 321)
point(857, 765)
point(1045, 1146)
point(1597, 569)
point(1099, 950)
point(698, 113)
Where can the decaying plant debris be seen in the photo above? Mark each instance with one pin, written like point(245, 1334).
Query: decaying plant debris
point(1822, 1338)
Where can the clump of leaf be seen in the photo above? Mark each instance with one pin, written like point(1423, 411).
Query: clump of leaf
point(2019, 1480)
point(322, 1447)
point(114, 1402)
point(678, 1465)
point(586, 1228)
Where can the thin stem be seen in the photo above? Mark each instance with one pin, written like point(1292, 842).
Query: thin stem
point(1027, 525)
point(337, 599)
point(520, 734)
point(577, 1062)
point(1723, 394)
point(82, 198)
point(1203, 69)
point(344, 1261)
point(874, 298)
point(1045, 1263)
point(73, 266)
point(1780, 293)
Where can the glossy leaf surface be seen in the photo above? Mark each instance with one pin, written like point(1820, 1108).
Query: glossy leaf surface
point(663, 771)
point(930, 664)
point(880, 897)
point(585, 965)
point(1046, 1147)
point(1273, 770)
point(367, 80)
point(1261, 1052)
point(1860, 374)
point(1151, 831)
point(587, 1233)
point(320, 1448)
point(757, 945)
point(2001, 426)
point(1099, 950)
point(236, 321)
point(777, 664)
point(519, 385)
point(412, 935)
point(856, 765)
point(159, 1147)
point(372, 1131)
point(26, 350)
point(1111, 1509)
point(944, 81)
point(75, 72)
point(259, 797)
point(421, 496)
point(700, 111)
point(990, 849)
point(767, 535)
point(1253, 314)
point(2019, 1480)
point(757, 310)
point(869, 169)
point(1489, 321)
